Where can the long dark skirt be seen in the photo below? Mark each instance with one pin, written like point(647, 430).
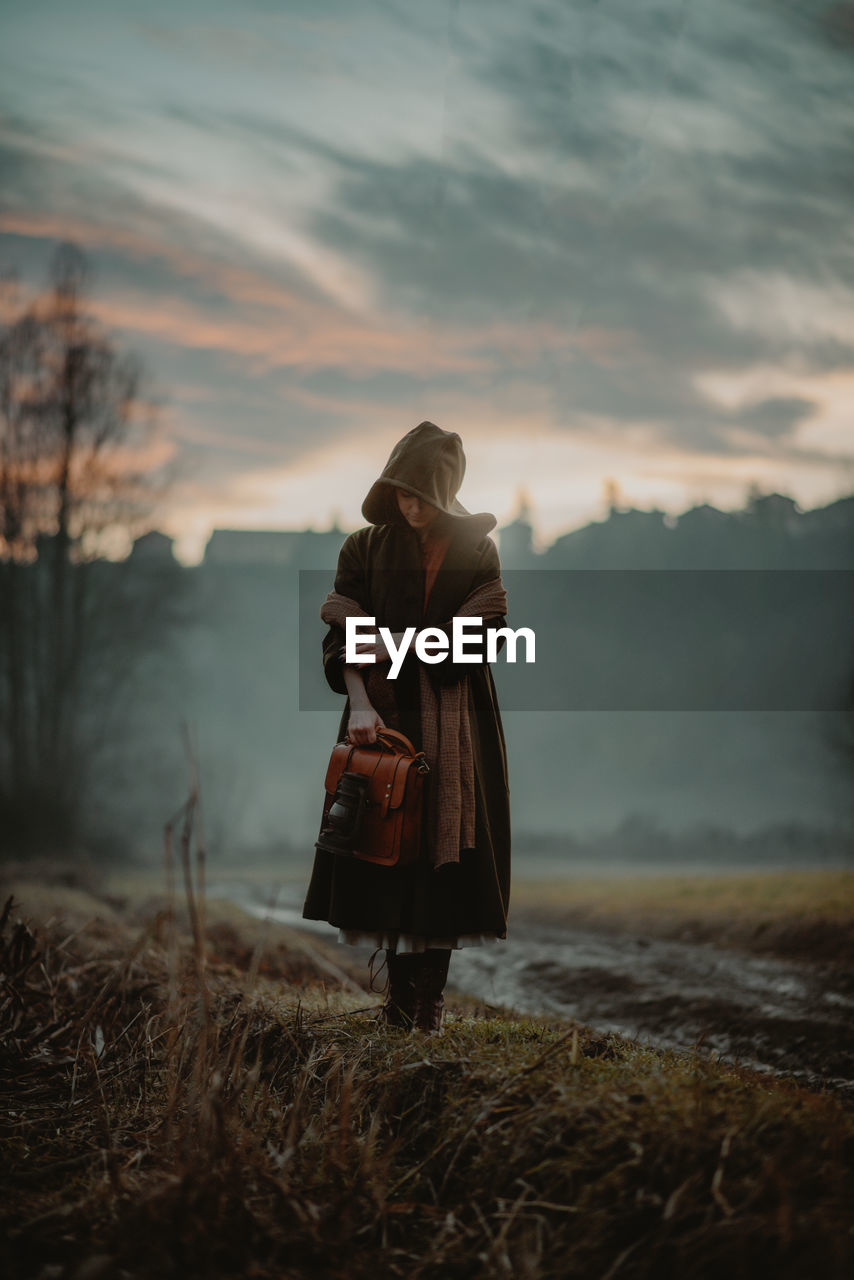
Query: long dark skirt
point(468, 897)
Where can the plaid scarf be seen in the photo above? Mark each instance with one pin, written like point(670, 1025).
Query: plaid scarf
point(445, 727)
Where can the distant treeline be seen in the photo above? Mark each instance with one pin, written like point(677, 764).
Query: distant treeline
point(642, 839)
point(769, 532)
point(637, 839)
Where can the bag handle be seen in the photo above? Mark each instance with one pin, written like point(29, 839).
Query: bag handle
point(391, 740)
point(397, 739)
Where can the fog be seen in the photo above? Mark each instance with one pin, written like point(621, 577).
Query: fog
point(603, 787)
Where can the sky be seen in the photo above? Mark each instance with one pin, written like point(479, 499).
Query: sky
point(609, 242)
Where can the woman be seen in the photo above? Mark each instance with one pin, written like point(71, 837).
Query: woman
point(422, 560)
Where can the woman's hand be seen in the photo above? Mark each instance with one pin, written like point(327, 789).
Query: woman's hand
point(363, 721)
point(363, 724)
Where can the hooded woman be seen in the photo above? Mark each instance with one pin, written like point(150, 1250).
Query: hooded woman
point(423, 560)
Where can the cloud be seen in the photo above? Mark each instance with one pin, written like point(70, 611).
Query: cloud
point(777, 416)
point(700, 130)
point(576, 221)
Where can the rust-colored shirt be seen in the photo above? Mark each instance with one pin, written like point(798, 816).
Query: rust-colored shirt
point(432, 554)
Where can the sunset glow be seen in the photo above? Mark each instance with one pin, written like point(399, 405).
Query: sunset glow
point(598, 246)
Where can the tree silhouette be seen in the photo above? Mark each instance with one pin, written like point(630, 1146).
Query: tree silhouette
point(72, 624)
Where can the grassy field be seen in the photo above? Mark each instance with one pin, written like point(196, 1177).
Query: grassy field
point(808, 914)
point(188, 1092)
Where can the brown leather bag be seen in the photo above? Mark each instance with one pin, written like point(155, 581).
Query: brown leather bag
point(378, 793)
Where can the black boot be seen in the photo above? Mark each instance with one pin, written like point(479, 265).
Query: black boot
point(399, 1007)
point(430, 978)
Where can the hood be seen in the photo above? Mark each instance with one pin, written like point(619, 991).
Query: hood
point(430, 463)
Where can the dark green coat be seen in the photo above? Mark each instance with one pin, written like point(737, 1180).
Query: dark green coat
point(380, 567)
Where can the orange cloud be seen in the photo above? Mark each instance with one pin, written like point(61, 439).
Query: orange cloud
point(287, 341)
point(185, 429)
point(274, 327)
point(236, 283)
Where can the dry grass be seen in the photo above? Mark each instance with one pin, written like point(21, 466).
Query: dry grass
point(182, 1103)
point(795, 913)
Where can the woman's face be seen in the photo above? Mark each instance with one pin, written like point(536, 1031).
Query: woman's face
point(419, 515)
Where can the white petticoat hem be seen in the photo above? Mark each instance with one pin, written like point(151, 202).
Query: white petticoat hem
point(404, 943)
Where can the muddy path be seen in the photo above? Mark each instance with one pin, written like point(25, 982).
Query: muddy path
point(794, 1018)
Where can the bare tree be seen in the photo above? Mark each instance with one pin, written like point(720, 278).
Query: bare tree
point(72, 419)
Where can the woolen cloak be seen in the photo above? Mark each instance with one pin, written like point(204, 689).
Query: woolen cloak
point(380, 567)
